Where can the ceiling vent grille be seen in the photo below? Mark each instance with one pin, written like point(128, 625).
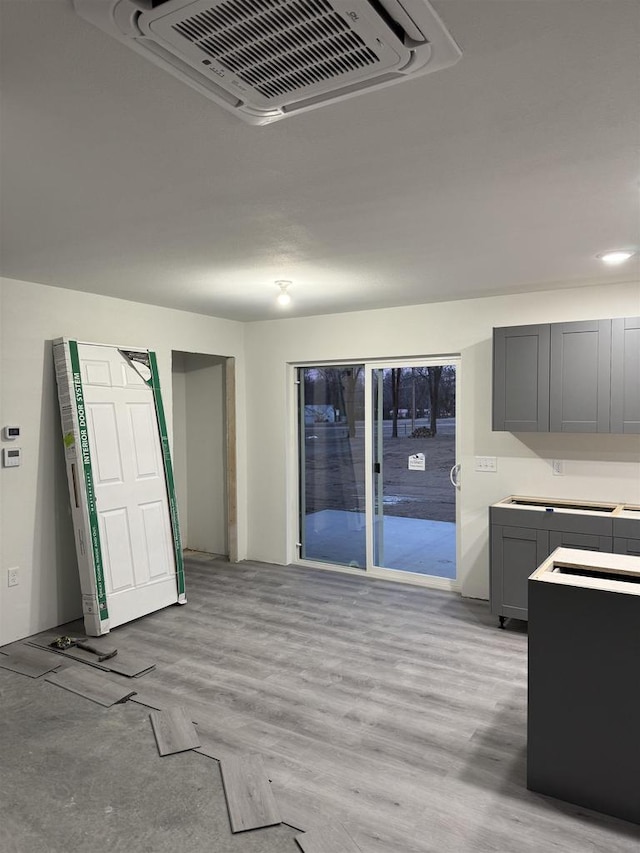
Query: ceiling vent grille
point(266, 59)
point(278, 48)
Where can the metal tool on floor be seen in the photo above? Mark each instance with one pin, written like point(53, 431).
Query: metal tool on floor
point(64, 643)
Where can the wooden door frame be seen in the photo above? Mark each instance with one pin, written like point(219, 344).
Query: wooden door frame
point(231, 442)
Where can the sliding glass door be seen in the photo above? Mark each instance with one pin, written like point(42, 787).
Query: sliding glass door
point(377, 445)
point(332, 464)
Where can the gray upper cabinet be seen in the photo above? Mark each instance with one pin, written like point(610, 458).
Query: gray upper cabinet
point(580, 387)
point(625, 375)
point(568, 377)
point(521, 378)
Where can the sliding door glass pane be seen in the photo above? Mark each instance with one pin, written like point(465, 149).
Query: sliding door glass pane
point(332, 488)
point(414, 449)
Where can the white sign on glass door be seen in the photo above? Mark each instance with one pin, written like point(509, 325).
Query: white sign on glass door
point(416, 462)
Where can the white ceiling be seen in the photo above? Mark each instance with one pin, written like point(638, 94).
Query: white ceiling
point(507, 172)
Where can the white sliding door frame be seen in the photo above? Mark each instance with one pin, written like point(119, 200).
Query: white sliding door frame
point(295, 458)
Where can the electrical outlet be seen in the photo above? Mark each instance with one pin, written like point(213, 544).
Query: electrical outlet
point(486, 464)
point(13, 578)
point(557, 466)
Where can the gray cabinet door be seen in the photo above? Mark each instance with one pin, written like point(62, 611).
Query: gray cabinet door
point(580, 376)
point(521, 378)
point(623, 545)
point(516, 552)
point(625, 375)
point(627, 526)
point(585, 541)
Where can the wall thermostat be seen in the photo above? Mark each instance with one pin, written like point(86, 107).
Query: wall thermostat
point(10, 433)
point(11, 457)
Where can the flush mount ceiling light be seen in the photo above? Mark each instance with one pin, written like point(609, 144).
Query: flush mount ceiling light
point(615, 256)
point(284, 297)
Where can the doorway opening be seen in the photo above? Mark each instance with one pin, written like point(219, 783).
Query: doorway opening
point(204, 451)
point(377, 448)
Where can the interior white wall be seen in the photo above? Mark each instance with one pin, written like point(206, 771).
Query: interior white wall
point(598, 467)
point(206, 472)
point(179, 419)
point(36, 530)
point(35, 527)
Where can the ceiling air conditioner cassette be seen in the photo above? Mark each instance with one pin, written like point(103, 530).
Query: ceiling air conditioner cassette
point(267, 59)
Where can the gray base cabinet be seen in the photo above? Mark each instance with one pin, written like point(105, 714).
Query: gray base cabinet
point(583, 741)
point(584, 541)
point(626, 532)
point(516, 552)
point(522, 535)
point(624, 545)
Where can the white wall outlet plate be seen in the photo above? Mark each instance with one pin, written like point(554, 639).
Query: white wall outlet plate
point(486, 464)
point(13, 576)
point(557, 466)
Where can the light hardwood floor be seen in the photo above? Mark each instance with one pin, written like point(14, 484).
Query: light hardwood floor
point(398, 711)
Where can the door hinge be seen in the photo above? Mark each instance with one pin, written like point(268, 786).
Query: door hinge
point(377, 468)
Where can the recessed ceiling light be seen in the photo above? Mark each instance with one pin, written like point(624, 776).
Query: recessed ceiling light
point(615, 256)
point(283, 298)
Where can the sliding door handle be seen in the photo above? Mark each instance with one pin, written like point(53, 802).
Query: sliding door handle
point(454, 476)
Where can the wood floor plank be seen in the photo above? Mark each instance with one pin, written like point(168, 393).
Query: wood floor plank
point(148, 702)
point(299, 812)
point(217, 749)
point(174, 730)
point(329, 838)
point(73, 653)
point(97, 687)
point(250, 801)
point(28, 661)
point(123, 663)
point(224, 735)
point(129, 665)
point(310, 803)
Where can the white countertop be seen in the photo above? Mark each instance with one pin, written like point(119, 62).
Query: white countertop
point(629, 512)
point(622, 567)
point(604, 509)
